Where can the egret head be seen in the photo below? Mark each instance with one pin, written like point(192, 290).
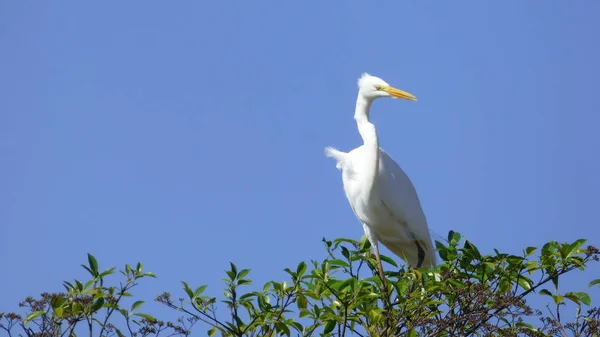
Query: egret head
point(371, 87)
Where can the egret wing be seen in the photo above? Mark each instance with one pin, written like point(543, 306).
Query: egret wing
point(401, 200)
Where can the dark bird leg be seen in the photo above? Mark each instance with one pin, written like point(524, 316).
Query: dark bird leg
point(380, 268)
point(420, 254)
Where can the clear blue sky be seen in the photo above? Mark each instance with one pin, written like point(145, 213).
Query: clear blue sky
point(189, 134)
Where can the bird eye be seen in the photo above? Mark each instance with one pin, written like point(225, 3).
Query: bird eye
point(378, 87)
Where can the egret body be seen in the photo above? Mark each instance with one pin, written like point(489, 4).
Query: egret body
point(381, 195)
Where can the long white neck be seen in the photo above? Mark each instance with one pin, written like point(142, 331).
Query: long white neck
point(371, 142)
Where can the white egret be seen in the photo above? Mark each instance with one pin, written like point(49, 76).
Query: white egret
point(381, 195)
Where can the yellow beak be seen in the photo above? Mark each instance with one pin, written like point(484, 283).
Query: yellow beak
point(397, 93)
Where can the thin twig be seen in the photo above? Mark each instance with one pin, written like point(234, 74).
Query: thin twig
point(523, 294)
point(110, 311)
point(345, 320)
point(212, 320)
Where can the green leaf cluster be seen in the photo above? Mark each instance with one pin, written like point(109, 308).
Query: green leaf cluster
point(470, 293)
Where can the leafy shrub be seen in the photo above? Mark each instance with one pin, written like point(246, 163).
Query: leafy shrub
point(468, 294)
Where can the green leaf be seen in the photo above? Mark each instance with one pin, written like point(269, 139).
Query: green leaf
point(150, 274)
point(212, 331)
point(529, 250)
point(564, 250)
point(242, 282)
point(531, 266)
point(88, 270)
point(57, 302)
point(594, 282)
point(136, 305)
point(146, 316)
point(402, 287)
point(364, 243)
point(231, 326)
point(76, 309)
point(388, 260)
point(233, 268)
point(548, 249)
point(301, 269)
point(578, 261)
point(139, 268)
point(93, 264)
point(282, 328)
point(525, 283)
point(469, 247)
point(292, 274)
point(199, 290)
point(555, 282)
point(338, 262)
point(442, 251)
point(107, 272)
point(97, 304)
point(88, 284)
point(188, 290)
point(372, 295)
point(68, 286)
point(33, 316)
point(575, 246)
point(453, 238)
point(557, 299)
point(577, 296)
point(524, 325)
point(411, 333)
point(298, 326)
point(302, 302)
point(329, 327)
point(243, 273)
point(346, 285)
point(545, 292)
point(345, 253)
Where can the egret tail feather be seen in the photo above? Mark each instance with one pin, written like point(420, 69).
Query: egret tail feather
point(339, 156)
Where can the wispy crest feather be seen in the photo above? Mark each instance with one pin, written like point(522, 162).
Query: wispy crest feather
point(362, 78)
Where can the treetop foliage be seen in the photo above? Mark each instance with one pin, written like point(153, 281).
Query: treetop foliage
point(468, 294)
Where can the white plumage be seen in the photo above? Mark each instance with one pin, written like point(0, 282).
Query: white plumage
point(379, 191)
